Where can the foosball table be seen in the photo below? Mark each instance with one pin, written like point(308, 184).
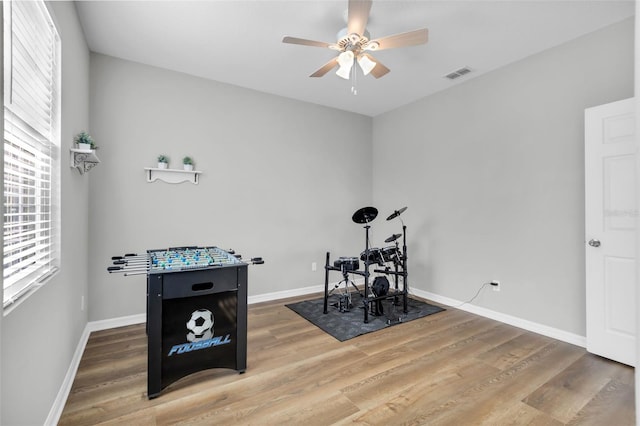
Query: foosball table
point(196, 310)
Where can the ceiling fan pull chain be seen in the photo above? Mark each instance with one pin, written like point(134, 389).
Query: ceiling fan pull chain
point(354, 86)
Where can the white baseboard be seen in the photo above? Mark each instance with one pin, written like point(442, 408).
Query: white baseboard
point(63, 393)
point(116, 322)
point(268, 297)
point(535, 327)
point(58, 404)
point(277, 295)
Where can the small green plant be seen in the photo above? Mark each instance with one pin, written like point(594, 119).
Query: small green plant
point(84, 137)
point(187, 160)
point(163, 158)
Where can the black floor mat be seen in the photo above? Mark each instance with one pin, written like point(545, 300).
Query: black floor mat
point(346, 325)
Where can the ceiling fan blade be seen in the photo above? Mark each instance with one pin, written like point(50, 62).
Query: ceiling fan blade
point(410, 38)
point(325, 68)
point(304, 42)
point(379, 70)
point(358, 16)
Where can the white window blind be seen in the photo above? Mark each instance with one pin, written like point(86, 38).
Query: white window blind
point(31, 249)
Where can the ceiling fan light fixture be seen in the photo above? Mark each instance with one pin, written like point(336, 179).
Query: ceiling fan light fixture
point(345, 60)
point(366, 64)
point(343, 72)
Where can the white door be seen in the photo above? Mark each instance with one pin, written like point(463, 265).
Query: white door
point(610, 221)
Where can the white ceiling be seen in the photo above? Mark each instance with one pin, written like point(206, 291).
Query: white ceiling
point(240, 42)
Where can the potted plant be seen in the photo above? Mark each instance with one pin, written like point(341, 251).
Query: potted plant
point(187, 163)
point(84, 141)
point(163, 161)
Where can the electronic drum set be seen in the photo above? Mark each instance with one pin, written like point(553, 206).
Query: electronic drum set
point(390, 260)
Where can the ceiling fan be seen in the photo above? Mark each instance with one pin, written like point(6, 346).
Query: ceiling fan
point(354, 44)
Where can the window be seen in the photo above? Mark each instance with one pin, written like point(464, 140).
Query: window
point(31, 250)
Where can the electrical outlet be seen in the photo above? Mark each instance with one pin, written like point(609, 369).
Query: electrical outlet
point(496, 285)
point(314, 266)
point(82, 303)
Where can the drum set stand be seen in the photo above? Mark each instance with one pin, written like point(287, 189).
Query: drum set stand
point(379, 290)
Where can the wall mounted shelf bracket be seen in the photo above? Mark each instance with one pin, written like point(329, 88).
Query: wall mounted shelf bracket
point(172, 175)
point(83, 160)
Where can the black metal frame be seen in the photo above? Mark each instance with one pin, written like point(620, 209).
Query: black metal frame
point(369, 298)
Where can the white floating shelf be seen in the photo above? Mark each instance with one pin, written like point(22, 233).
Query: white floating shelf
point(172, 175)
point(83, 160)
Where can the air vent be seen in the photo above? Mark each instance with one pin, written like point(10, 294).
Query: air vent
point(458, 73)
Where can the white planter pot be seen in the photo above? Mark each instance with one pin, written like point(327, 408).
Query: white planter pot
point(163, 165)
point(84, 146)
point(188, 167)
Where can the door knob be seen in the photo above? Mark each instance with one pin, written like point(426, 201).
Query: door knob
point(594, 243)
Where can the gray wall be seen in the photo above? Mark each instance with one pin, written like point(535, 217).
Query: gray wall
point(281, 178)
point(493, 172)
point(40, 335)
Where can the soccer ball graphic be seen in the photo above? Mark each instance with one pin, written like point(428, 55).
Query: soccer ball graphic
point(200, 325)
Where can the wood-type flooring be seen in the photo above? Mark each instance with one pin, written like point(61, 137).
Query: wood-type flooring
point(450, 368)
